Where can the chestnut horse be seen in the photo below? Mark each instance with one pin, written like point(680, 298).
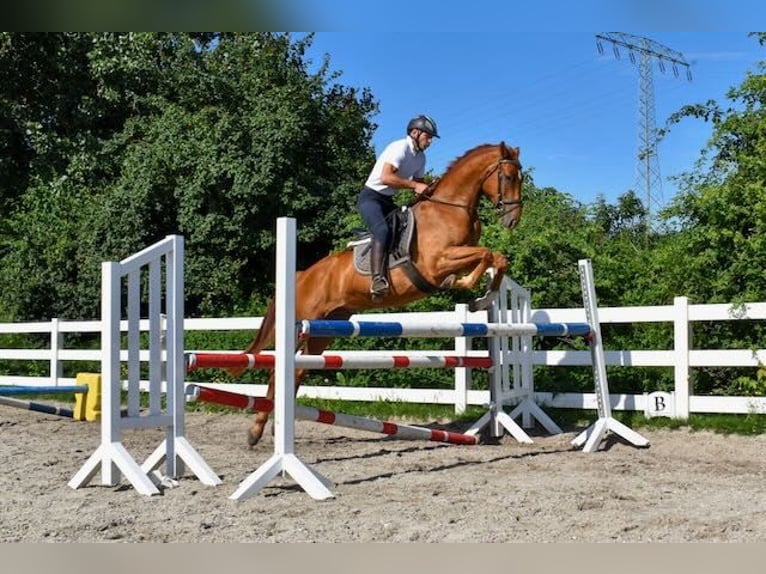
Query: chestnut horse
point(445, 253)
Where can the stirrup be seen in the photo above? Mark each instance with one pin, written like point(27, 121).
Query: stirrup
point(379, 287)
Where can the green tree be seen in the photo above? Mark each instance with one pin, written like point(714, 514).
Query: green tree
point(718, 218)
point(714, 250)
point(209, 136)
point(42, 80)
point(544, 249)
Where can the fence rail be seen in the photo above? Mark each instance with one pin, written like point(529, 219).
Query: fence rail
point(683, 358)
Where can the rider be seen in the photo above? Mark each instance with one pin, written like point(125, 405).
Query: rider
point(401, 165)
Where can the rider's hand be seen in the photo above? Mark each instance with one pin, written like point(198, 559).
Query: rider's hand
point(420, 187)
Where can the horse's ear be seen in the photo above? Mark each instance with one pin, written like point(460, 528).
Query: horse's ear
point(508, 152)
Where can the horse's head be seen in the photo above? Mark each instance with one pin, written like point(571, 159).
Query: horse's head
point(502, 182)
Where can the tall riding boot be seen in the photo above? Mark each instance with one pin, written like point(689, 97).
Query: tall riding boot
point(379, 286)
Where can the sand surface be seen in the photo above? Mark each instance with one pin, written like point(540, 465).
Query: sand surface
point(687, 486)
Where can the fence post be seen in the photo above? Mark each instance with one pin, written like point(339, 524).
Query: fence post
point(57, 343)
point(462, 374)
point(682, 342)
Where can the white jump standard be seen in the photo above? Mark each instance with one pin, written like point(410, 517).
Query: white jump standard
point(284, 461)
point(111, 456)
point(594, 434)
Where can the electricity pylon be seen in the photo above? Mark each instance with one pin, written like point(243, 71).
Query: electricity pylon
point(647, 174)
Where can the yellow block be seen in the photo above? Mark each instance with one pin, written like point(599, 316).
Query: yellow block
point(87, 406)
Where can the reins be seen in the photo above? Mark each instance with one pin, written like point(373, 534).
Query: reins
point(451, 204)
point(499, 206)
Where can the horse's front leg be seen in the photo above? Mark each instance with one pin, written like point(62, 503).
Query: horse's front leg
point(465, 266)
point(500, 265)
point(456, 260)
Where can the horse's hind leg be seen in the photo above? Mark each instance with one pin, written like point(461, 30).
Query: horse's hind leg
point(255, 432)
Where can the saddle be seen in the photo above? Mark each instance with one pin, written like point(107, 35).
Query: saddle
point(403, 232)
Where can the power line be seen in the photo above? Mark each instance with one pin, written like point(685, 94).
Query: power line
point(647, 167)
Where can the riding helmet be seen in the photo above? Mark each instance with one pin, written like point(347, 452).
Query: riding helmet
point(424, 123)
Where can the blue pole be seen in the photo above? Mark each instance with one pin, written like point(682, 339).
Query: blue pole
point(18, 390)
point(332, 328)
point(38, 407)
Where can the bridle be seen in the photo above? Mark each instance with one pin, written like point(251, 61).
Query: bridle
point(502, 206)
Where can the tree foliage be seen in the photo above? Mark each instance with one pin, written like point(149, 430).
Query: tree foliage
point(136, 136)
point(719, 215)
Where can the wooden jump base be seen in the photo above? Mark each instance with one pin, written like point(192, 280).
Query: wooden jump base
point(209, 395)
point(263, 361)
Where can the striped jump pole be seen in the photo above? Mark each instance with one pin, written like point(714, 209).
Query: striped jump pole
point(37, 407)
point(49, 390)
point(331, 328)
point(402, 431)
point(206, 394)
point(8, 391)
point(216, 396)
point(263, 361)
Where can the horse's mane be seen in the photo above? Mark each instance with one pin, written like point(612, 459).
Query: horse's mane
point(475, 150)
point(478, 148)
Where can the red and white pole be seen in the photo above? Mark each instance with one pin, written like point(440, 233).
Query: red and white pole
point(220, 397)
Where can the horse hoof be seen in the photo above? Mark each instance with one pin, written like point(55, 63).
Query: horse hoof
point(481, 303)
point(448, 282)
point(252, 438)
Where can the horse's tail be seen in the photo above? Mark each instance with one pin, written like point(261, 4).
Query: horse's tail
point(264, 338)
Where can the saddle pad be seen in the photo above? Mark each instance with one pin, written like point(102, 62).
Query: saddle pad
point(404, 231)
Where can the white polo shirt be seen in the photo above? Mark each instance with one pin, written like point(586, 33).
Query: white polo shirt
point(410, 164)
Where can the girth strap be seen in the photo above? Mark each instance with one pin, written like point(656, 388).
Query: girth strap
point(417, 279)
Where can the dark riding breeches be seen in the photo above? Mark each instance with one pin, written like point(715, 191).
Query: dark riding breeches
point(375, 208)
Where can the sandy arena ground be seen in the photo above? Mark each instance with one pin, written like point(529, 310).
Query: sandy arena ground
point(686, 487)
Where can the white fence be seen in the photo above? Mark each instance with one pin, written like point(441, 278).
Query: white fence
point(683, 358)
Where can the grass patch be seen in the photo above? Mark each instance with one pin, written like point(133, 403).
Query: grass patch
point(384, 410)
point(748, 424)
point(744, 424)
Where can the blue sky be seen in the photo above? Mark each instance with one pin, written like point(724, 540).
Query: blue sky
point(572, 111)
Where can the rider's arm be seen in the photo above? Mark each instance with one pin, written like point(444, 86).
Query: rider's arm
point(391, 178)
